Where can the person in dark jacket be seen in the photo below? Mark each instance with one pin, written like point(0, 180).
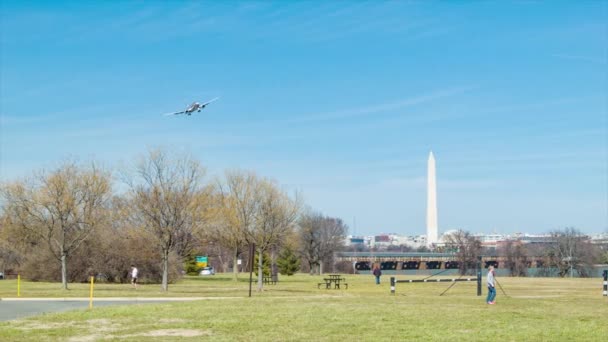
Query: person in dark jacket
point(377, 273)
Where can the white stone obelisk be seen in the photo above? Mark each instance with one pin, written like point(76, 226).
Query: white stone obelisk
point(431, 203)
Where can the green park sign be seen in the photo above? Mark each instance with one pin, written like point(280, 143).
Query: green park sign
point(201, 261)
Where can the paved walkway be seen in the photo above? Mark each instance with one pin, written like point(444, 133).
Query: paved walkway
point(16, 308)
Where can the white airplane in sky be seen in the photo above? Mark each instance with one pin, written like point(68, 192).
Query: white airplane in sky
point(194, 107)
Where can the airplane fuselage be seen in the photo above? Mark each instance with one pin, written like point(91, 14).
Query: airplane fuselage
point(193, 108)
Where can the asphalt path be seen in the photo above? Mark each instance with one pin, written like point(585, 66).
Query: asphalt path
point(11, 309)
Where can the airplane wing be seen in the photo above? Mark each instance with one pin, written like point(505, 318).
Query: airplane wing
point(176, 113)
point(208, 102)
point(193, 107)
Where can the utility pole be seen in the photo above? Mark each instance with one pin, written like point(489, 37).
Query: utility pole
point(251, 257)
point(479, 275)
point(570, 260)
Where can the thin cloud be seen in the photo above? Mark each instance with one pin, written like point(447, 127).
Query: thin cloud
point(331, 22)
point(363, 111)
point(537, 105)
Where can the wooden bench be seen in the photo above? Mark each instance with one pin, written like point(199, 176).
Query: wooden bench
point(269, 280)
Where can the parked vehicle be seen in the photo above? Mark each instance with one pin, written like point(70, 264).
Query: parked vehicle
point(207, 271)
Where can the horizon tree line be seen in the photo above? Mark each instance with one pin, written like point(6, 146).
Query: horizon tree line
point(165, 213)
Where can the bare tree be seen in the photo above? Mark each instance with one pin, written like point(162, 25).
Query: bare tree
point(320, 237)
point(467, 248)
point(167, 199)
point(333, 233)
point(236, 210)
point(274, 220)
point(10, 254)
point(9, 257)
point(112, 250)
point(310, 240)
point(61, 208)
point(516, 259)
point(571, 251)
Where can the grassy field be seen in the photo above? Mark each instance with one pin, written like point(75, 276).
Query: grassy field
point(533, 309)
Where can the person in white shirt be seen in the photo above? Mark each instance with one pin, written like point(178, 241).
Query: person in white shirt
point(491, 286)
point(134, 276)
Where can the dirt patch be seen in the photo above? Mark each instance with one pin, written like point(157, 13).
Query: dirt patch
point(175, 333)
point(171, 320)
point(154, 333)
point(99, 325)
point(466, 331)
point(103, 325)
point(88, 338)
point(42, 326)
point(101, 321)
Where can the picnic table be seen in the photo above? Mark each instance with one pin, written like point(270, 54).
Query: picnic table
point(334, 281)
point(270, 279)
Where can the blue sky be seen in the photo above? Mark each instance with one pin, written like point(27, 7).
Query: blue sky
point(341, 100)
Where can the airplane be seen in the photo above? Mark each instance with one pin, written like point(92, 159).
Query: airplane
point(194, 107)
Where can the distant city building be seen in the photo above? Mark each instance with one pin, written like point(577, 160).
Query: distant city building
point(356, 241)
point(386, 240)
point(382, 238)
point(493, 240)
point(537, 239)
point(600, 239)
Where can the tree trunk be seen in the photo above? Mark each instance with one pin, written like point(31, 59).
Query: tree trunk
point(165, 283)
point(235, 267)
point(260, 269)
point(64, 270)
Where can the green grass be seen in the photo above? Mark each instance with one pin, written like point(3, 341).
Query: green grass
point(536, 309)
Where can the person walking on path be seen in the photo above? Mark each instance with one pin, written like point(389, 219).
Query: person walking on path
point(377, 273)
point(134, 276)
point(491, 286)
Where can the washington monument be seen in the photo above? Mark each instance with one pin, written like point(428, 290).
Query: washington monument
point(431, 203)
